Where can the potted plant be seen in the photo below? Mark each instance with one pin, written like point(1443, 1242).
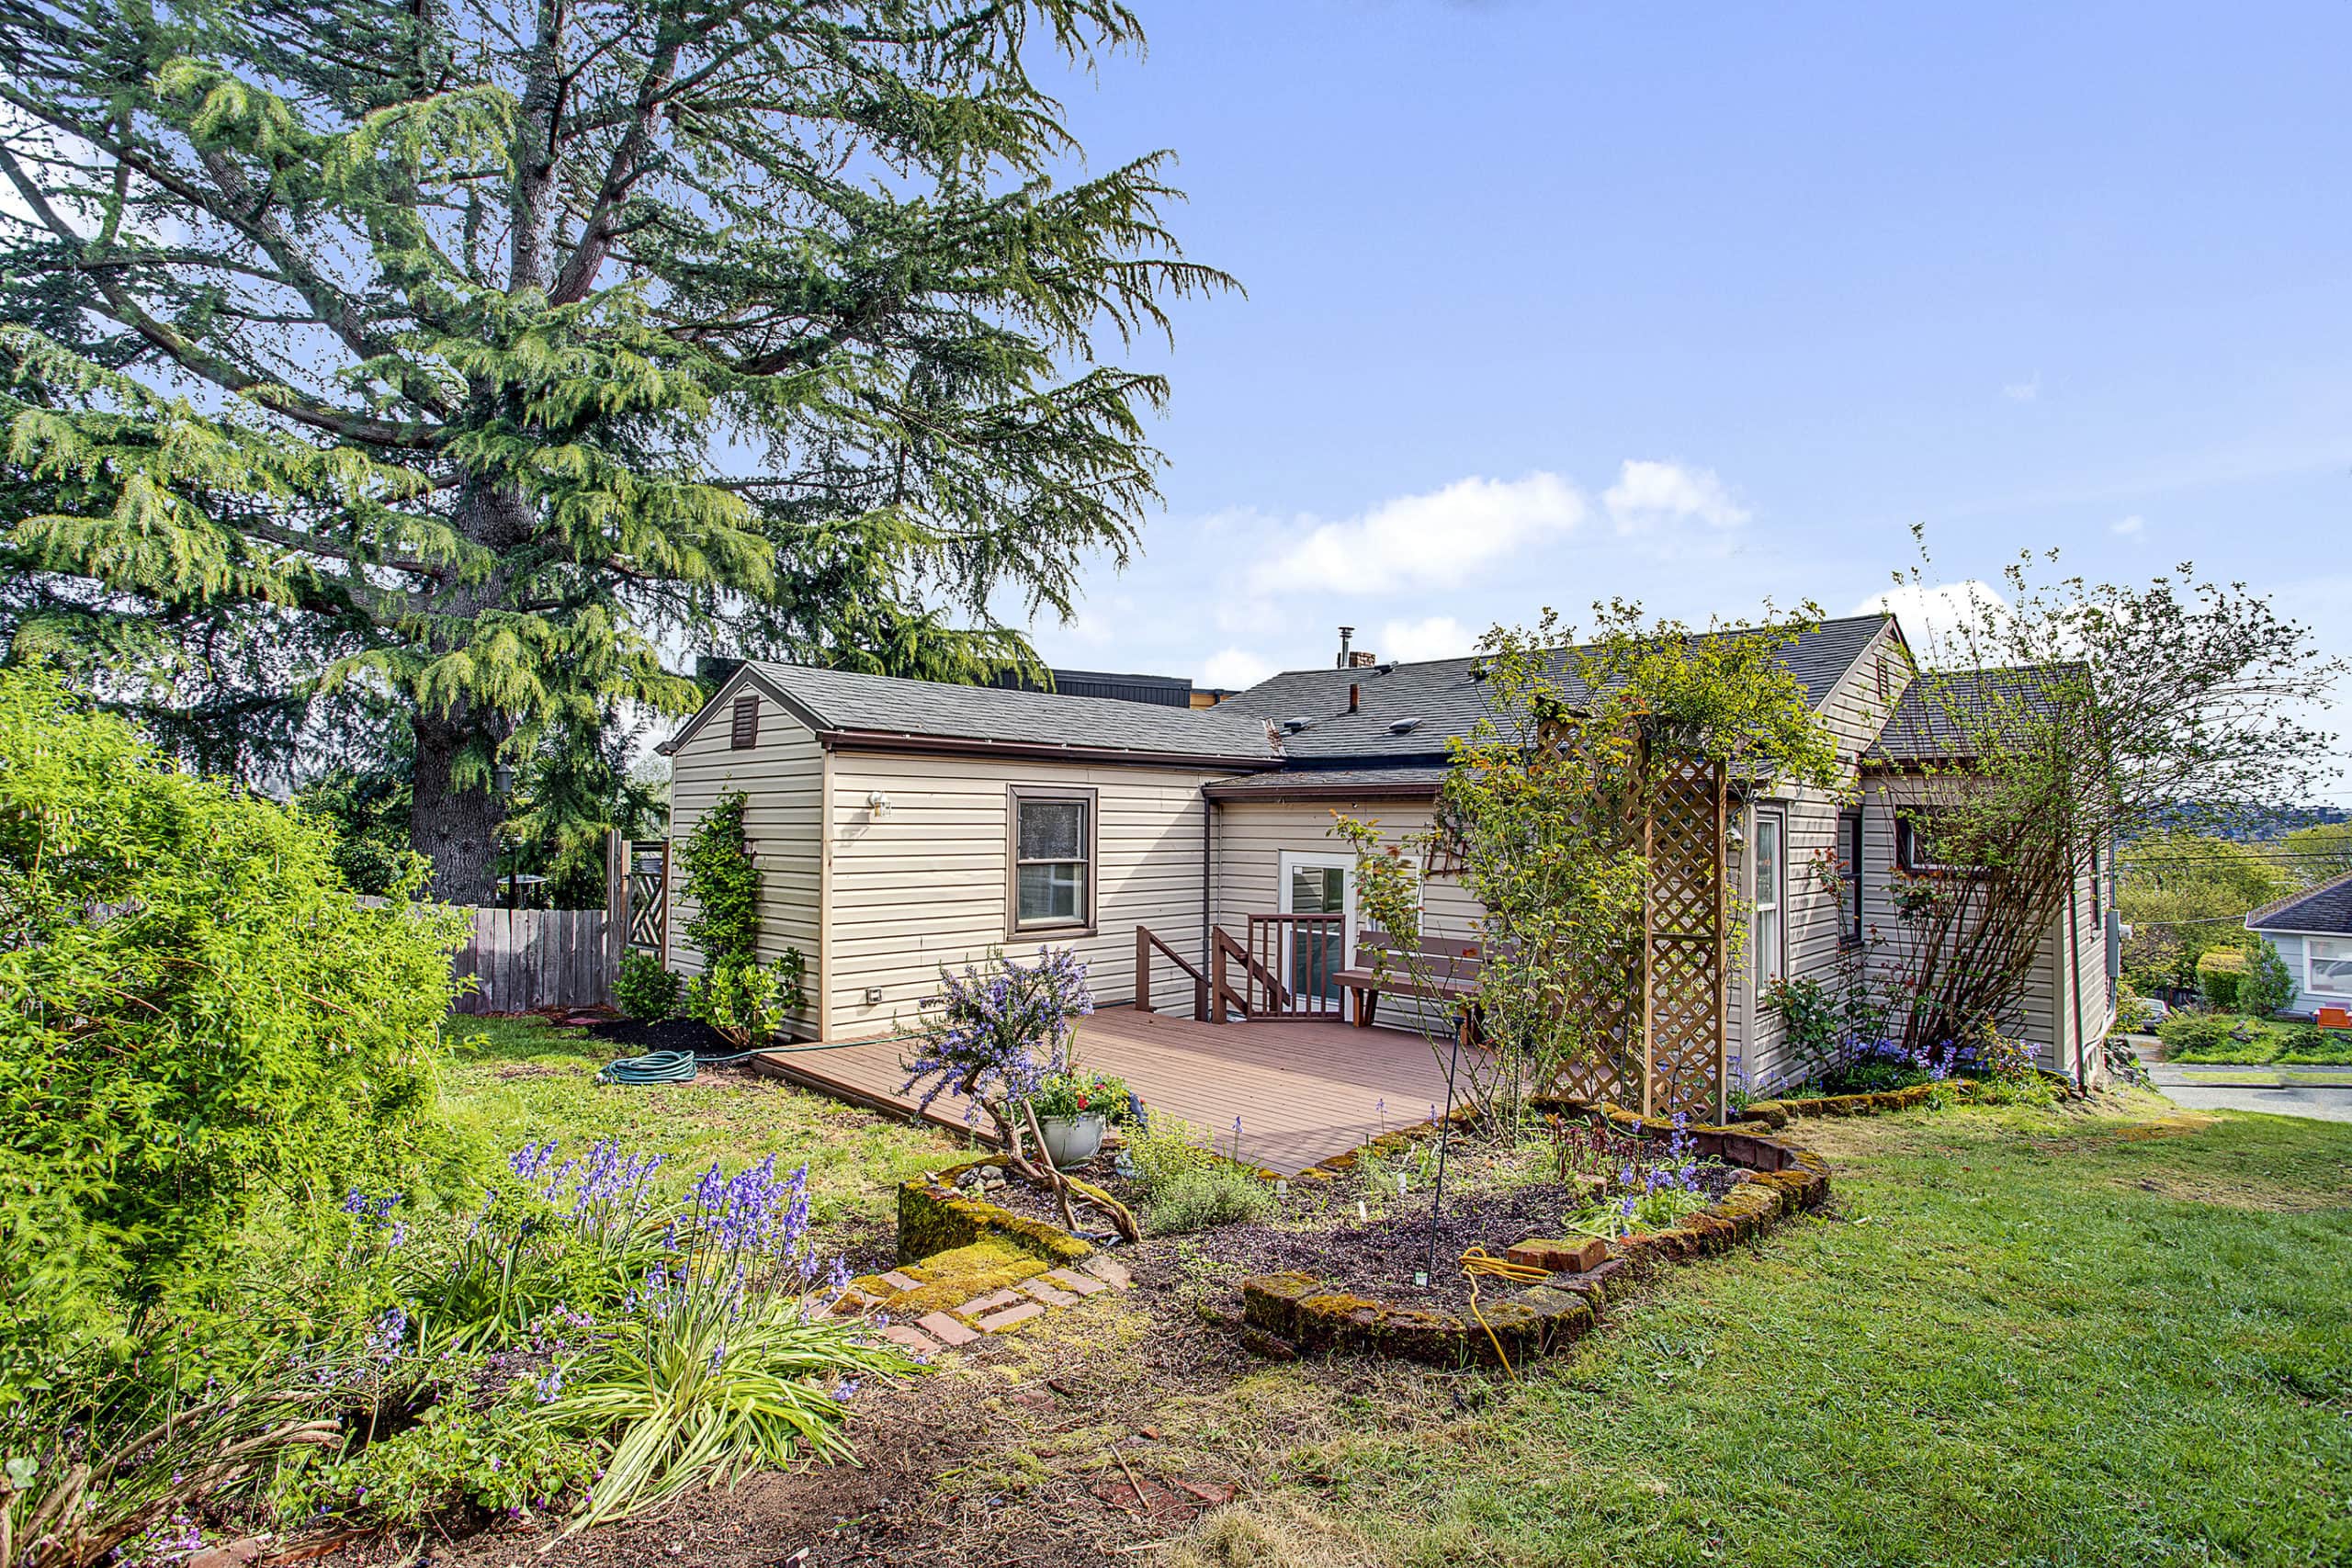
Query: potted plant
point(1074, 1108)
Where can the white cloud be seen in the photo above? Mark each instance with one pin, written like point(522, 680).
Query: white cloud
point(1937, 619)
point(1648, 494)
point(1434, 540)
point(2023, 391)
point(2127, 526)
point(1435, 637)
point(1234, 669)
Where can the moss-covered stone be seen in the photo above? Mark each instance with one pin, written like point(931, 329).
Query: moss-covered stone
point(1421, 1334)
point(935, 1217)
point(1334, 1320)
point(1271, 1300)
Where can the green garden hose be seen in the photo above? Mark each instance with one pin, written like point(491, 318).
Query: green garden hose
point(679, 1066)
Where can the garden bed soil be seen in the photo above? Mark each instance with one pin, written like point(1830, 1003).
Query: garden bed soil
point(670, 1034)
point(1377, 1258)
point(1314, 1229)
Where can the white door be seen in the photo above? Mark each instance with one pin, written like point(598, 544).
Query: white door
point(1315, 884)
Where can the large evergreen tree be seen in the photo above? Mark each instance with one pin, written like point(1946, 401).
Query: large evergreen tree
point(456, 352)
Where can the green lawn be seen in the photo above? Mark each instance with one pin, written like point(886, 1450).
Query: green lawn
point(2278, 1043)
point(519, 1080)
point(2023, 1338)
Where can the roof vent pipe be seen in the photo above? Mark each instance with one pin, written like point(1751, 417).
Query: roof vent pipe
point(1355, 696)
point(1347, 635)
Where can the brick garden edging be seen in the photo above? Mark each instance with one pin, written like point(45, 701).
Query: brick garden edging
point(1296, 1311)
point(1777, 1114)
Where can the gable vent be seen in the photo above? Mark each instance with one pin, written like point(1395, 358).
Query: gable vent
point(746, 732)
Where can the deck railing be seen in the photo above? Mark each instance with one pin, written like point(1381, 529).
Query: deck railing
point(1287, 967)
point(1146, 941)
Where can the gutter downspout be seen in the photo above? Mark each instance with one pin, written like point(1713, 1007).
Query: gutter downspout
point(2075, 971)
point(1208, 863)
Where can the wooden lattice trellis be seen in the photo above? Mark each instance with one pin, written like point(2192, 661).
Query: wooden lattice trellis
point(1656, 1040)
point(1685, 931)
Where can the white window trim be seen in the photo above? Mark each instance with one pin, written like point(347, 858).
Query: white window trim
point(2342, 946)
point(1287, 860)
point(1779, 904)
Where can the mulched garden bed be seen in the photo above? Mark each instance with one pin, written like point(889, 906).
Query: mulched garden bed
point(670, 1034)
point(1378, 1256)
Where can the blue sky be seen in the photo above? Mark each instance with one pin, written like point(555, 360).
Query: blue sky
point(2030, 278)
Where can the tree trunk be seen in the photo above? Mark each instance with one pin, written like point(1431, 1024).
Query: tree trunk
point(455, 827)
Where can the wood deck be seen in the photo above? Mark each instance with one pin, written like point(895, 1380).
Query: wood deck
point(1303, 1090)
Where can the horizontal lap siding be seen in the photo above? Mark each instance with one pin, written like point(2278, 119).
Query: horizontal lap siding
point(782, 779)
point(925, 882)
point(1855, 711)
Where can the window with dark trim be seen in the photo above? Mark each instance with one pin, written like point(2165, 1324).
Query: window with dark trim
point(1915, 848)
point(1052, 834)
point(1850, 877)
point(746, 731)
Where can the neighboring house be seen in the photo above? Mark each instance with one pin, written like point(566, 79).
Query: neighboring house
point(902, 825)
point(2311, 932)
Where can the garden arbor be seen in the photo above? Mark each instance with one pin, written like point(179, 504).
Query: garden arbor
point(1659, 1042)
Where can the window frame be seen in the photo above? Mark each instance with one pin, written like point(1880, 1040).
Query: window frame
point(1778, 908)
point(1908, 819)
point(2343, 946)
point(1850, 840)
point(1084, 795)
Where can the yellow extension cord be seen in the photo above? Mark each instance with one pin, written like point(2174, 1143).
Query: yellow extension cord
point(1479, 1263)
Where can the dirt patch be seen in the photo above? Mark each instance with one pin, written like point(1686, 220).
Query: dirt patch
point(670, 1034)
point(1033, 1453)
point(2223, 1193)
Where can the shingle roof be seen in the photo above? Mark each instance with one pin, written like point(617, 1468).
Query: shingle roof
point(842, 701)
point(1295, 781)
point(2327, 908)
point(1944, 714)
point(1445, 699)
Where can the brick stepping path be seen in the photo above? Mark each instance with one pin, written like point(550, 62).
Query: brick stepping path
point(913, 1300)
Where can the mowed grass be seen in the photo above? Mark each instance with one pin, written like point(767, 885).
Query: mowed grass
point(518, 1080)
point(2024, 1337)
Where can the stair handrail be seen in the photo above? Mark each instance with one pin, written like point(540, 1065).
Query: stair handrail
point(1146, 940)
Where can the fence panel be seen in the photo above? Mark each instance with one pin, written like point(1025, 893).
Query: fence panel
point(536, 958)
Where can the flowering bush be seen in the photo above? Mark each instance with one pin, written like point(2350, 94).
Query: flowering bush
point(1081, 1091)
point(1002, 1027)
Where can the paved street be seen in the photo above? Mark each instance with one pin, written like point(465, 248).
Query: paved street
point(2322, 1093)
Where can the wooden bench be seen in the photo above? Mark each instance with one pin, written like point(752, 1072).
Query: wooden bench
point(1434, 969)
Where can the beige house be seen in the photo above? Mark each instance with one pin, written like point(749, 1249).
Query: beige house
point(901, 824)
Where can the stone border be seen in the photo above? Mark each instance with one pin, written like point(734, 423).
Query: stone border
point(1284, 1314)
point(933, 1217)
point(1777, 1114)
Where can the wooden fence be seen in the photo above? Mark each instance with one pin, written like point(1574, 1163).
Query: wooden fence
point(538, 958)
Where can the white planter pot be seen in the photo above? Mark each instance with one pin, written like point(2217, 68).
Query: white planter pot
point(1073, 1140)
